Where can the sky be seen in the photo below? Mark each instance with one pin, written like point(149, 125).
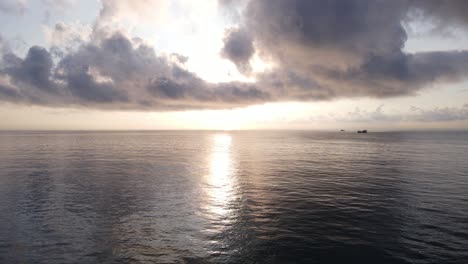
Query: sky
point(233, 64)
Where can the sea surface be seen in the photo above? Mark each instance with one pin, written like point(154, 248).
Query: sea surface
point(233, 197)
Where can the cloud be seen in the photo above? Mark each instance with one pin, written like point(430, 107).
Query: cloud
point(440, 114)
point(142, 12)
point(34, 70)
point(449, 13)
point(330, 49)
point(415, 114)
point(239, 48)
point(116, 73)
point(9, 94)
point(361, 115)
point(179, 58)
point(318, 50)
point(231, 9)
point(13, 6)
point(397, 74)
point(64, 37)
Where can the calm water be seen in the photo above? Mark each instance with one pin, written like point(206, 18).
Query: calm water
point(233, 197)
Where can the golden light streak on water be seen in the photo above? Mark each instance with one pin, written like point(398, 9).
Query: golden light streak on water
point(220, 179)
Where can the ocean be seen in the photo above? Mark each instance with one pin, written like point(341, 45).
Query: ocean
point(233, 197)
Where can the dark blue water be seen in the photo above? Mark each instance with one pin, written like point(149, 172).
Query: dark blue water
point(233, 197)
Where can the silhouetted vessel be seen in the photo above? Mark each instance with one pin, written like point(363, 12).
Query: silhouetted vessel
point(362, 131)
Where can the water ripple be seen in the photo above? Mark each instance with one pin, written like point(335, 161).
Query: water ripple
point(233, 197)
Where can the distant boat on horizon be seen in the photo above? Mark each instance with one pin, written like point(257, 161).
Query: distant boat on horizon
point(362, 131)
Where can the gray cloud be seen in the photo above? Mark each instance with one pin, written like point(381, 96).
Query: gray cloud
point(321, 50)
point(184, 85)
point(116, 73)
point(307, 32)
point(231, 9)
point(227, 2)
point(85, 86)
point(415, 114)
point(377, 115)
point(179, 58)
point(397, 74)
point(34, 70)
point(329, 49)
point(239, 48)
point(9, 93)
point(447, 13)
point(441, 114)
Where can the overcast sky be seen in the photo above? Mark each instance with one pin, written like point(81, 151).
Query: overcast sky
point(234, 64)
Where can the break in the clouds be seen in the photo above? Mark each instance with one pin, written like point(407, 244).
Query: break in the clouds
point(317, 50)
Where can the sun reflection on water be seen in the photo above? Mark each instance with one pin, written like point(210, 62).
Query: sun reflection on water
point(220, 178)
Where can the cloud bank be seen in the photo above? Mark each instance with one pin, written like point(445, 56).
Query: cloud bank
point(415, 114)
point(115, 73)
point(329, 49)
point(320, 50)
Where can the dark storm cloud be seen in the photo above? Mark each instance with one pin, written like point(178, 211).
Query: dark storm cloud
point(320, 50)
point(239, 48)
